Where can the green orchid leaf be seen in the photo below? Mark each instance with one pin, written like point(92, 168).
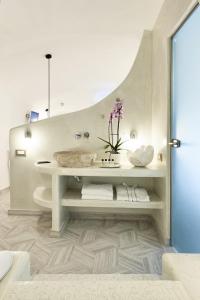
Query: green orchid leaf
point(105, 141)
point(120, 144)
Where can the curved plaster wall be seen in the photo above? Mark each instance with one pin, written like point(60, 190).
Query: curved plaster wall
point(57, 133)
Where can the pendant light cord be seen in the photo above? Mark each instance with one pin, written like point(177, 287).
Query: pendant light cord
point(49, 88)
point(48, 57)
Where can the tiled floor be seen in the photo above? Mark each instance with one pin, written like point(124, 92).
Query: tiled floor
point(87, 246)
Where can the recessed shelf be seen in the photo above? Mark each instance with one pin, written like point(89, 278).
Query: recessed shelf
point(72, 198)
point(43, 197)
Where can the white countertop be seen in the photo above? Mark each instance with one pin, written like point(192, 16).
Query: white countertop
point(123, 171)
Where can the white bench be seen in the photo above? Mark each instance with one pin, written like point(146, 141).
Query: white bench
point(180, 281)
point(184, 268)
point(20, 270)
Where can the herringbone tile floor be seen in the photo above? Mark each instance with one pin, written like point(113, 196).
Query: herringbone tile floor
point(87, 246)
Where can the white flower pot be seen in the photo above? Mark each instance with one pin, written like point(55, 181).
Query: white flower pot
point(116, 157)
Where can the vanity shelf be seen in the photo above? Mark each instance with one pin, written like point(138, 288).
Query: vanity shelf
point(73, 199)
point(65, 196)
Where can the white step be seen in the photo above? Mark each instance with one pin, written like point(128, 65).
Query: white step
point(96, 290)
point(71, 277)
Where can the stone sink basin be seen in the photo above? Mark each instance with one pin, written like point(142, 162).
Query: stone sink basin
point(75, 159)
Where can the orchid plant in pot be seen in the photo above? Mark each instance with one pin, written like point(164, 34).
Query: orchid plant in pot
point(114, 142)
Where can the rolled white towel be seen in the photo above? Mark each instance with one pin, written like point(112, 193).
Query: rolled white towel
point(96, 197)
point(97, 189)
point(142, 195)
point(133, 195)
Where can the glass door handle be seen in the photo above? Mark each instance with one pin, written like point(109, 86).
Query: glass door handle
point(175, 143)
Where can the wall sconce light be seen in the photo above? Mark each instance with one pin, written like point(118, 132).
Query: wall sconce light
point(28, 133)
point(133, 135)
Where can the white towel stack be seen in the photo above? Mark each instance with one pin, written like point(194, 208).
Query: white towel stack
point(131, 194)
point(97, 192)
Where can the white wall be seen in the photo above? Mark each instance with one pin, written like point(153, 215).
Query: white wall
point(11, 114)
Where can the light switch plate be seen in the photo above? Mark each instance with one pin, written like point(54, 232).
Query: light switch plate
point(20, 152)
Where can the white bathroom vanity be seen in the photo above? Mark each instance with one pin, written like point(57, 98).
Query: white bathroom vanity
point(64, 195)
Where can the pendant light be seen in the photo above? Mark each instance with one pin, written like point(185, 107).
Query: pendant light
point(48, 110)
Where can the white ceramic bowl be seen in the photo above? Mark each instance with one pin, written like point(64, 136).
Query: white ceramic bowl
point(142, 156)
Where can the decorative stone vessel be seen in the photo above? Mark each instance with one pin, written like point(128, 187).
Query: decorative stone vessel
point(75, 159)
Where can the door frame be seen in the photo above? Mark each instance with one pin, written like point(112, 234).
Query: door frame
point(177, 27)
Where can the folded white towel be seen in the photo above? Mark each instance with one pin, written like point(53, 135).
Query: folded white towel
point(121, 190)
point(125, 193)
point(122, 193)
point(97, 189)
point(96, 197)
point(142, 195)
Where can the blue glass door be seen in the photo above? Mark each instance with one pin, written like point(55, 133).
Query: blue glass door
point(185, 108)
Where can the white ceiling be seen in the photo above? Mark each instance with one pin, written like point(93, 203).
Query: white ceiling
point(93, 42)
